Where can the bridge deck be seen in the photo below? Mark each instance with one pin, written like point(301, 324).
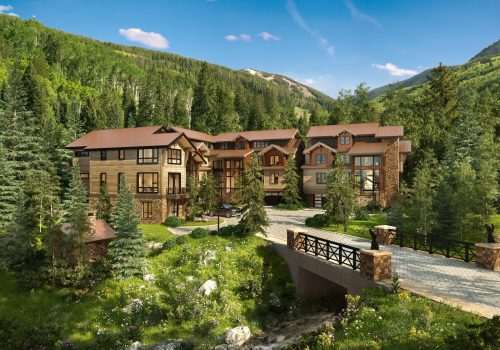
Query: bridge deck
point(446, 280)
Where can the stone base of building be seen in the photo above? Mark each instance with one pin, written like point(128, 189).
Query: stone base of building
point(488, 256)
point(376, 264)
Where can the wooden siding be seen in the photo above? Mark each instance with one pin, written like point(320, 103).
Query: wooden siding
point(309, 181)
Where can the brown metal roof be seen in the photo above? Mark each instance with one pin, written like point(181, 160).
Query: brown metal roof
point(230, 153)
point(316, 145)
point(404, 146)
point(362, 148)
point(355, 129)
point(193, 134)
point(257, 135)
point(147, 136)
point(101, 231)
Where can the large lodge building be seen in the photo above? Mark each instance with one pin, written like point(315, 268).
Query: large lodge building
point(156, 162)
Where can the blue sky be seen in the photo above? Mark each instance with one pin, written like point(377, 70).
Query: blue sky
point(327, 44)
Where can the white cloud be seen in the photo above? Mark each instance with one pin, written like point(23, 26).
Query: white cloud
point(356, 13)
point(5, 9)
point(297, 17)
point(241, 37)
point(268, 36)
point(151, 39)
point(395, 70)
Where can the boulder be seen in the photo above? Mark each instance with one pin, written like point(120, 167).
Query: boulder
point(137, 345)
point(208, 287)
point(154, 245)
point(209, 256)
point(134, 306)
point(149, 277)
point(169, 344)
point(238, 335)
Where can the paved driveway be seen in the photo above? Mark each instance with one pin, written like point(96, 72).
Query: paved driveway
point(449, 280)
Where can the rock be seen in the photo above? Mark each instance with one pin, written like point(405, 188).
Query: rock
point(208, 287)
point(169, 344)
point(238, 335)
point(132, 307)
point(137, 345)
point(229, 248)
point(142, 287)
point(149, 277)
point(209, 256)
point(276, 338)
point(154, 245)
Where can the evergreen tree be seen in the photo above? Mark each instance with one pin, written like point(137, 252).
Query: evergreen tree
point(181, 114)
point(104, 206)
point(291, 193)
point(341, 197)
point(227, 118)
point(204, 108)
point(126, 251)
point(8, 190)
point(75, 212)
point(208, 193)
point(254, 217)
point(193, 200)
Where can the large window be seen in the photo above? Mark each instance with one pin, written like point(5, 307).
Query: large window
point(345, 140)
point(121, 179)
point(234, 164)
point(274, 178)
point(121, 154)
point(368, 180)
point(147, 210)
point(147, 182)
point(274, 160)
point(320, 158)
point(367, 161)
point(174, 156)
point(307, 158)
point(147, 155)
point(174, 183)
point(104, 154)
point(321, 178)
point(240, 145)
point(80, 154)
point(260, 144)
point(102, 179)
point(224, 145)
point(217, 164)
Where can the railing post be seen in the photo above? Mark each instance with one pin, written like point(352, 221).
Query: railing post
point(327, 250)
point(340, 254)
point(316, 246)
point(305, 243)
point(354, 259)
point(447, 247)
point(466, 252)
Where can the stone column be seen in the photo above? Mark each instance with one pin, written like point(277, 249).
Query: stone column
point(375, 264)
point(291, 236)
point(391, 173)
point(385, 234)
point(488, 256)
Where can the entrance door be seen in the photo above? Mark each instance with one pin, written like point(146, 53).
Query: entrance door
point(173, 208)
point(319, 200)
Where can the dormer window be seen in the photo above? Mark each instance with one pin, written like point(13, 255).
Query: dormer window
point(345, 140)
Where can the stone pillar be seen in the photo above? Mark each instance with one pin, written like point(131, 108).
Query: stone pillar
point(390, 187)
point(291, 236)
point(385, 234)
point(375, 264)
point(488, 256)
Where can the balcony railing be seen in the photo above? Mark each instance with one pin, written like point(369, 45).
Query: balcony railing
point(176, 190)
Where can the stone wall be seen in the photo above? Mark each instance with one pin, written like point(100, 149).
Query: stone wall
point(94, 250)
point(391, 173)
point(375, 265)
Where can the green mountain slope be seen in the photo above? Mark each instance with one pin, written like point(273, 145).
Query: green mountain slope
point(105, 79)
point(480, 72)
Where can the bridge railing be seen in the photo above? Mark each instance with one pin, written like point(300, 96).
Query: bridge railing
point(340, 253)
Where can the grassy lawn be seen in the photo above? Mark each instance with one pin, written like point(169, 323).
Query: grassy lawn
point(359, 228)
point(201, 223)
point(155, 232)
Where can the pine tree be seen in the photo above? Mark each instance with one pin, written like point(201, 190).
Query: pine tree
point(227, 118)
point(126, 251)
point(341, 198)
point(208, 193)
point(254, 218)
point(204, 108)
point(181, 114)
point(193, 200)
point(8, 190)
point(291, 193)
point(75, 211)
point(104, 206)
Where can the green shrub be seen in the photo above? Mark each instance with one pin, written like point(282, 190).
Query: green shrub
point(169, 244)
point(7, 329)
point(250, 289)
point(31, 279)
point(231, 230)
point(318, 220)
point(173, 221)
point(284, 206)
point(180, 240)
point(43, 336)
point(483, 336)
point(361, 214)
point(373, 207)
point(199, 232)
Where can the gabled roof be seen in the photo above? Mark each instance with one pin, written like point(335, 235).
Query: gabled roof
point(355, 129)
point(257, 135)
point(100, 232)
point(404, 146)
point(230, 153)
point(316, 145)
point(279, 148)
point(367, 148)
point(193, 134)
point(147, 136)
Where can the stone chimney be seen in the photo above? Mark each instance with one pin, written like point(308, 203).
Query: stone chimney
point(91, 218)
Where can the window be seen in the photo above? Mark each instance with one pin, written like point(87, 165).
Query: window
point(345, 140)
point(224, 145)
point(344, 158)
point(102, 179)
point(320, 178)
point(174, 156)
point(319, 200)
point(240, 145)
point(121, 179)
point(104, 154)
point(320, 158)
point(147, 182)
point(368, 180)
point(147, 210)
point(174, 183)
point(307, 158)
point(173, 208)
point(260, 144)
point(147, 155)
point(274, 160)
point(84, 176)
point(217, 164)
point(121, 154)
point(80, 154)
point(274, 178)
point(367, 161)
point(234, 164)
